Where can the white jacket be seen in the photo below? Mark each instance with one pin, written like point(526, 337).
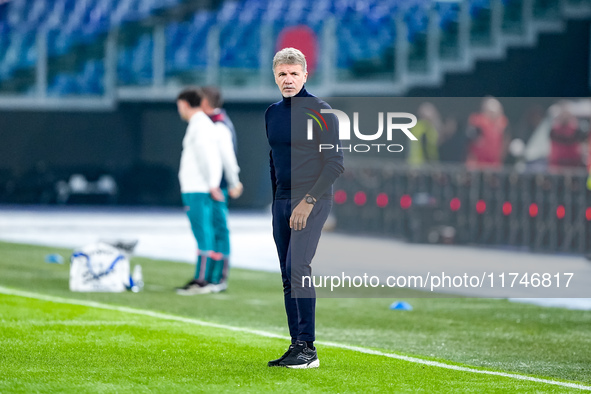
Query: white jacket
point(201, 164)
point(228, 157)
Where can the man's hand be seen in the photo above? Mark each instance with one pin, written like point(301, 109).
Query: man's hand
point(299, 216)
point(236, 191)
point(216, 194)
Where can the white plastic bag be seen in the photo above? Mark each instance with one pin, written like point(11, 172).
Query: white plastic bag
point(99, 267)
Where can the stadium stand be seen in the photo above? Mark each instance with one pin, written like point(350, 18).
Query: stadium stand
point(539, 212)
point(397, 44)
point(93, 83)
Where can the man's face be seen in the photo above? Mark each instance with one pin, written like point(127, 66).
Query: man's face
point(290, 79)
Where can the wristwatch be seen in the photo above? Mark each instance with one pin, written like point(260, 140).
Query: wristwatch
point(309, 199)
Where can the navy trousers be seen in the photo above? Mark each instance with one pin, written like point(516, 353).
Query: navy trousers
point(296, 250)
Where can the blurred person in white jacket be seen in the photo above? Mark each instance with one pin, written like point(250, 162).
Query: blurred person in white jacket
point(200, 174)
point(217, 271)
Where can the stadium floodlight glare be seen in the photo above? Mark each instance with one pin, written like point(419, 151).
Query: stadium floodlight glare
point(360, 198)
point(382, 200)
point(455, 204)
point(533, 210)
point(560, 212)
point(481, 206)
point(340, 197)
point(405, 201)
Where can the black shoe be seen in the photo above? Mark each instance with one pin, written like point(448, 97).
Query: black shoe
point(195, 286)
point(275, 363)
point(301, 357)
point(189, 284)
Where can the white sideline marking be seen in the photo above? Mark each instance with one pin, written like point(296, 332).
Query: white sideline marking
point(144, 312)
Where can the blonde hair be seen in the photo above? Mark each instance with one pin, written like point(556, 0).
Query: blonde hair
point(290, 56)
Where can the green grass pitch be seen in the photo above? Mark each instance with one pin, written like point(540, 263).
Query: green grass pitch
point(48, 346)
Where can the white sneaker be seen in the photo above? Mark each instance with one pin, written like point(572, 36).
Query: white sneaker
point(218, 288)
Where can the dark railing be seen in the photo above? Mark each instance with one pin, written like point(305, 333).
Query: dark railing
point(542, 212)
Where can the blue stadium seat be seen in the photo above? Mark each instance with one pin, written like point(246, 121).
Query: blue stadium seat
point(89, 81)
point(63, 85)
point(476, 7)
point(187, 43)
point(124, 73)
point(134, 64)
point(366, 32)
point(417, 20)
point(142, 60)
point(448, 13)
point(364, 38)
point(92, 77)
point(68, 22)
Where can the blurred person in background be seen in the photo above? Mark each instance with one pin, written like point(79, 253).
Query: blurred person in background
point(452, 142)
point(529, 122)
point(216, 272)
point(487, 137)
point(427, 133)
point(200, 174)
point(565, 139)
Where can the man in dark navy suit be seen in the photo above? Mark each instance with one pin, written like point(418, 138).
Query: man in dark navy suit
point(302, 176)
